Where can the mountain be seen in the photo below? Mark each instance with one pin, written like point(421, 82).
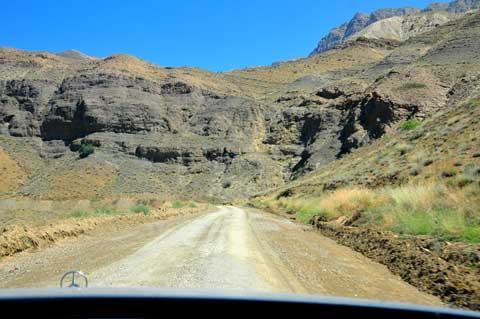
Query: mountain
point(375, 142)
point(221, 136)
point(360, 21)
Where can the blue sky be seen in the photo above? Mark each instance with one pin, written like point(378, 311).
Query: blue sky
point(215, 35)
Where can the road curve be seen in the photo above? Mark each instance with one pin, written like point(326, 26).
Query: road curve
point(230, 248)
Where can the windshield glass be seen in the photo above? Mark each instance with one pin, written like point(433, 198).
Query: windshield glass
point(302, 147)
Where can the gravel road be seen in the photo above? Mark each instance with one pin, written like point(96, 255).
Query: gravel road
point(230, 248)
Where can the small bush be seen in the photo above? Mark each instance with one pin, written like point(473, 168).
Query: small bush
point(192, 205)
point(95, 199)
point(177, 204)
point(471, 170)
point(412, 86)
point(410, 125)
point(460, 181)
point(403, 148)
point(226, 184)
point(416, 170)
point(471, 234)
point(473, 103)
point(79, 214)
point(449, 172)
point(458, 163)
point(305, 216)
point(427, 162)
point(101, 211)
point(140, 208)
point(105, 211)
point(86, 150)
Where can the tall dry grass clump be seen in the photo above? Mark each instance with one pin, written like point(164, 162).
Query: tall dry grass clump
point(433, 209)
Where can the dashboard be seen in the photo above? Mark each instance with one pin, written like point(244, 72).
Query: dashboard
point(159, 303)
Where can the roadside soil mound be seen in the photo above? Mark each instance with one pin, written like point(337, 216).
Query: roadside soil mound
point(449, 271)
point(15, 238)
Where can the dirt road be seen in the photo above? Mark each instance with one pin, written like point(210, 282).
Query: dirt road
point(230, 248)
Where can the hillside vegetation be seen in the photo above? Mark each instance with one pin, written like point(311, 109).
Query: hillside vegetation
point(423, 180)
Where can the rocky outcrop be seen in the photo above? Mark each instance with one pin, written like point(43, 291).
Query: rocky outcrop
point(401, 23)
point(455, 6)
point(403, 28)
point(357, 23)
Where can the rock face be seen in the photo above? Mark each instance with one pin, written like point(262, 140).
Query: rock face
point(455, 6)
point(405, 27)
point(397, 28)
point(356, 24)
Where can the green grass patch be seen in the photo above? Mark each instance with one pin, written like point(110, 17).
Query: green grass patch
point(412, 86)
point(192, 205)
point(471, 234)
point(446, 213)
point(105, 211)
point(100, 211)
point(140, 209)
point(95, 199)
point(410, 125)
point(177, 204)
point(79, 214)
point(305, 216)
point(473, 103)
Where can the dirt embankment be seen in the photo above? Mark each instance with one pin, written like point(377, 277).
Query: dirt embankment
point(449, 271)
point(15, 238)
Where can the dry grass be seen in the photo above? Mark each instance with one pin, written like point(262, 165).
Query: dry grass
point(330, 61)
point(433, 209)
point(11, 174)
point(85, 181)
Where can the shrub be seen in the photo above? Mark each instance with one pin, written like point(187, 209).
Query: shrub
point(105, 211)
point(458, 163)
point(177, 204)
point(86, 150)
point(472, 170)
point(449, 172)
point(226, 184)
point(416, 170)
point(101, 211)
point(79, 214)
point(95, 199)
point(403, 148)
point(471, 234)
point(140, 208)
point(460, 181)
point(410, 125)
point(427, 162)
point(473, 103)
point(192, 205)
point(305, 216)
